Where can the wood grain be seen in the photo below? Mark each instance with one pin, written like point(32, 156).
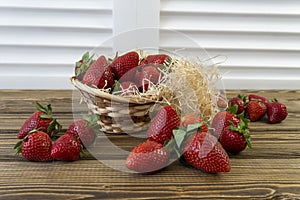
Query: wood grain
point(270, 170)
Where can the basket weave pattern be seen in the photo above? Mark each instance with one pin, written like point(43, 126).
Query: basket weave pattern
point(118, 114)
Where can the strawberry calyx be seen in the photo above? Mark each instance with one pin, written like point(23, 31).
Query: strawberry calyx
point(47, 111)
point(243, 129)
point(180, 135)
point(83, 64)
point(92, 121)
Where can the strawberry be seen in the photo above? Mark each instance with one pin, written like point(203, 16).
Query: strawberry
point(99, 74)
point(85, 129)
point(148, 156)
point(162, 125)
point(239, 102)
point(256, 110)
point(122, 65)
point(82, 65)
point(204, 152)
point(192, 119)
point(41, 120)
point(157, 59)
point(235, 139)
point(222, 120)
point(67, 148)
point(276, 112)
point(148, 74)
point(36, 146)
point(254, 97)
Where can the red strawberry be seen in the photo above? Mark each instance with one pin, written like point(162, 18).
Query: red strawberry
point(204, 152)
point(82, 65)
point(67, 148)
point(256, 110)
point(277, 112)
point(99, 74)
point(254, 97)
point(149, 73)
point(162, 125)
point(192, 119)
point(36, 146)
point(148, 156)
point(222, 120)
point(122, 66)
point(235, 139)
point(157, 59)
point(239, 102)
point(42, 120)
point(85, 129)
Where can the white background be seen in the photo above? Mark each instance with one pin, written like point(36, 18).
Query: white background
point(40, 40)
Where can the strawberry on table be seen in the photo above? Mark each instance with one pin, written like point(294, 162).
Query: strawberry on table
point(66, 148)
point(42, 119)
point(85, 129)
point(235, 139)
point(122, 66)
point(256, 110)
point(204, 152)
point(222, 120)
point(148, 156)
point(239, 102)
point(99, 74)
point(276, 112)
point(254, 97)
point(36, 146)
point(162, 125)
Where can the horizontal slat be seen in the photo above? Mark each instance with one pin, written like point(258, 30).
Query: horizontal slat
point(233, 40)
point(51, 36)
point(60, 18)
point(265, 7)
point(233, 22)
point(44, 54)
point(58, 4)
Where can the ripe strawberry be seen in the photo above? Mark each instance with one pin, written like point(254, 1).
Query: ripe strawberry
point(82, 65)
point(239, 102)
point(157, 59)
point(204, 152)
point(122, 66)
point(148, 156)
point(99, 74)
point(41, 120)
point(254, 97)
point(235, 139)
point(222, 120)
point(277, 112)
point(85, 129)
point(162, 125)
point(148, 74)
point(36, 146)
point(192, 119)
point(256, 110)
point(67, 148)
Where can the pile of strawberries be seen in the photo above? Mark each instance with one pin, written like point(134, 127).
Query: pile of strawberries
point(191, 141)
point(39, 141)
point(126, 72)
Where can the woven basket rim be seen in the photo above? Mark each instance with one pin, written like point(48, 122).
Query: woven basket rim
point(99, 93)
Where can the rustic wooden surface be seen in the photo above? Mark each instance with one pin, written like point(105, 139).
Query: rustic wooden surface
point(270, 170)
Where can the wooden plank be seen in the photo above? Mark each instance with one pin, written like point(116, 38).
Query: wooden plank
point(270, 170)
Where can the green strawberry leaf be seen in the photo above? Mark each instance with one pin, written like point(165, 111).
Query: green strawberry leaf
point(179, 136)
point(233, 109)
point(194, 127)
point(18, 147)
point(85, 57)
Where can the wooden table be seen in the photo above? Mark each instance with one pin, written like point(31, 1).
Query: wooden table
point(270, 170)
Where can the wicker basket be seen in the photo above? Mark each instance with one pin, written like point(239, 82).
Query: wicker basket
point(118, 114)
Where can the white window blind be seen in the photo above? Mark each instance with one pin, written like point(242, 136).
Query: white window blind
point(40, 40)
point(261, 38)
